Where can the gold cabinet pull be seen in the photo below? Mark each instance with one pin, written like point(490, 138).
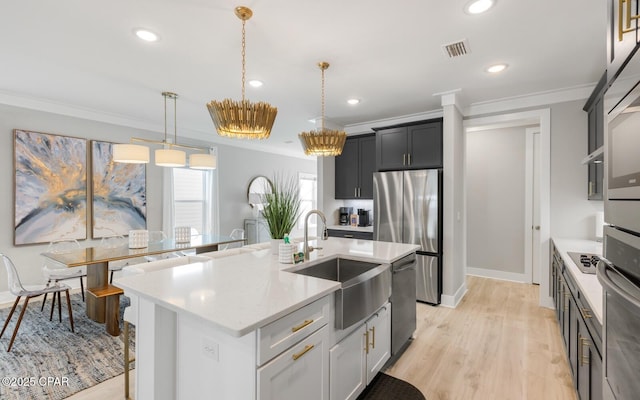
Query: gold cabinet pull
point(624, 18)
point(583, 355)
point(302, 325)
point(373, 334)
point(404, 159)
point(366, 341)
point(303, 352)
point(586, 313)
point(567, 294)
point(409, 159)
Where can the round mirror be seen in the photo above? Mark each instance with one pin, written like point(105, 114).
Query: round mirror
point(257, 188)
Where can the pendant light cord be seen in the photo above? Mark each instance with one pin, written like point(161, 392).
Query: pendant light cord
point(165, 116)
point(322, 95)
point(243, 57)
point(175, 119)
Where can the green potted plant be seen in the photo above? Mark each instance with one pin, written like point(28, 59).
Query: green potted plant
point(281, 207)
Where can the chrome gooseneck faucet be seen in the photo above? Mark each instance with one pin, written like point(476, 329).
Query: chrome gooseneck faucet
point(308, 249)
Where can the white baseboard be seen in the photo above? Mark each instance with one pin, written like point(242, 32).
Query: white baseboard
point(546, 301)
point(495, 274)
point(453, 301)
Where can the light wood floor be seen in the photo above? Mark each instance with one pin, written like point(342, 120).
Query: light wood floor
point(497, 344)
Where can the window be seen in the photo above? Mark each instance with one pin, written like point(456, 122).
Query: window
point(190, 203)
point(308, 184)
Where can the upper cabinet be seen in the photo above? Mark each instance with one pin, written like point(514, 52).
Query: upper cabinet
point(355, 168)
point(595, 139)
point(622, 33)
point(409, 147)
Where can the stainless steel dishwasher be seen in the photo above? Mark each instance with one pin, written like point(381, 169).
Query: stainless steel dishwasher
point(403, 301)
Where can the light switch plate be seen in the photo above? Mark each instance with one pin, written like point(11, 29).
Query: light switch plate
point(210, 349)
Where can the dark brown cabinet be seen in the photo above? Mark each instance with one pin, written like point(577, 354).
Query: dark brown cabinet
point(589, 372)
point(581, 333)
point(622, 34)
point(595, 139)
point(409, 147)
point(354, 168)
point(350, 234)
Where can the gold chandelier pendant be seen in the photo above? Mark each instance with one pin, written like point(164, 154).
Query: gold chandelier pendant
point(325, 142)
point(242, 119)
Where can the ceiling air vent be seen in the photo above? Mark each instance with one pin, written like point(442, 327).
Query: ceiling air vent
point(456, 49)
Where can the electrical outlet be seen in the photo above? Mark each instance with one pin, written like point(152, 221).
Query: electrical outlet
point(210, 349)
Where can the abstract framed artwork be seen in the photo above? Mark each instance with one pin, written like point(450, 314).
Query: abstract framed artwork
point(50, 187)
point(119, 198)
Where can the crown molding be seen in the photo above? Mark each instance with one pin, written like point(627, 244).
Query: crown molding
point(366, 127)
point(538, 99)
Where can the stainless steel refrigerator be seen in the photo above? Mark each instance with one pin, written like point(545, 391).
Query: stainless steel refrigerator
point(407, 209)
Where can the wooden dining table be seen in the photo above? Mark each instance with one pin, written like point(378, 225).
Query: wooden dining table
point(102, 298)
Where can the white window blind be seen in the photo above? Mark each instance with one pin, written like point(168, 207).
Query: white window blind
point(189, 198)
point(308, 184)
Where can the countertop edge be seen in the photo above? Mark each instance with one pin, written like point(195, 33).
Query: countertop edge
point(150, 287)
point(588, 246)
point(225, 329)
point(368, 229)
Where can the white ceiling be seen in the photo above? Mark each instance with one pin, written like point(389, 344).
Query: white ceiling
point(80, 57)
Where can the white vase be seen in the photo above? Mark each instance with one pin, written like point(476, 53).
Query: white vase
point(275, 246)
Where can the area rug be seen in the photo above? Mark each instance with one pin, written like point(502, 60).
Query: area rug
point(48, 361)
point(386, 387)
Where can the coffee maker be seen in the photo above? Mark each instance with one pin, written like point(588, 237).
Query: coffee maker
point(363, 217)
point(345, 214)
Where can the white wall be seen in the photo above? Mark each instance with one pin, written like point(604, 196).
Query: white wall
point(495, 199)
point(572, 215)
point(236, 166)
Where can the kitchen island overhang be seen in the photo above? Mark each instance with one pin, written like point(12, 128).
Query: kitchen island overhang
point(228, 300)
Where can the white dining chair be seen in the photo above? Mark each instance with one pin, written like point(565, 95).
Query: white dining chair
point(111, 242)
point(17, 289)
point(56, 272)
point(235, 234)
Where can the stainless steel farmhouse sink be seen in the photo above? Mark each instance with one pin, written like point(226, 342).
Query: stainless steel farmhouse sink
point(365, 286)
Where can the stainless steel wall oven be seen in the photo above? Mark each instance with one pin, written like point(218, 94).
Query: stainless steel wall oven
point(619, 273)
point(619, 270)
point(622, 148)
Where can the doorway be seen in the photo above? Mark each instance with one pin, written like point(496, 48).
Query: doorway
point(535, 222)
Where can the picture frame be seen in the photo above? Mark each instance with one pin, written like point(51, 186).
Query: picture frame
point(50, 187)
point(118, 195)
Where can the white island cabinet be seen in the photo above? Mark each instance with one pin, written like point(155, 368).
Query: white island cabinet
point(240, 327)
point(355, 360)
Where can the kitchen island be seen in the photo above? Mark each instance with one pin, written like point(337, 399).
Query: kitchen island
point(226, 328)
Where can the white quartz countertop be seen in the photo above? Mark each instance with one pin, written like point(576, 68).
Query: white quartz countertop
point(587, 283)
point(351, 228)
point(240, 293)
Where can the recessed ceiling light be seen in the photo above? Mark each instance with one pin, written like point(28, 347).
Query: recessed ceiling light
point(255, 83)
point(353, 101)
point(312, 120)
point(494, 69)
point(146, 35)
point(478, 6)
